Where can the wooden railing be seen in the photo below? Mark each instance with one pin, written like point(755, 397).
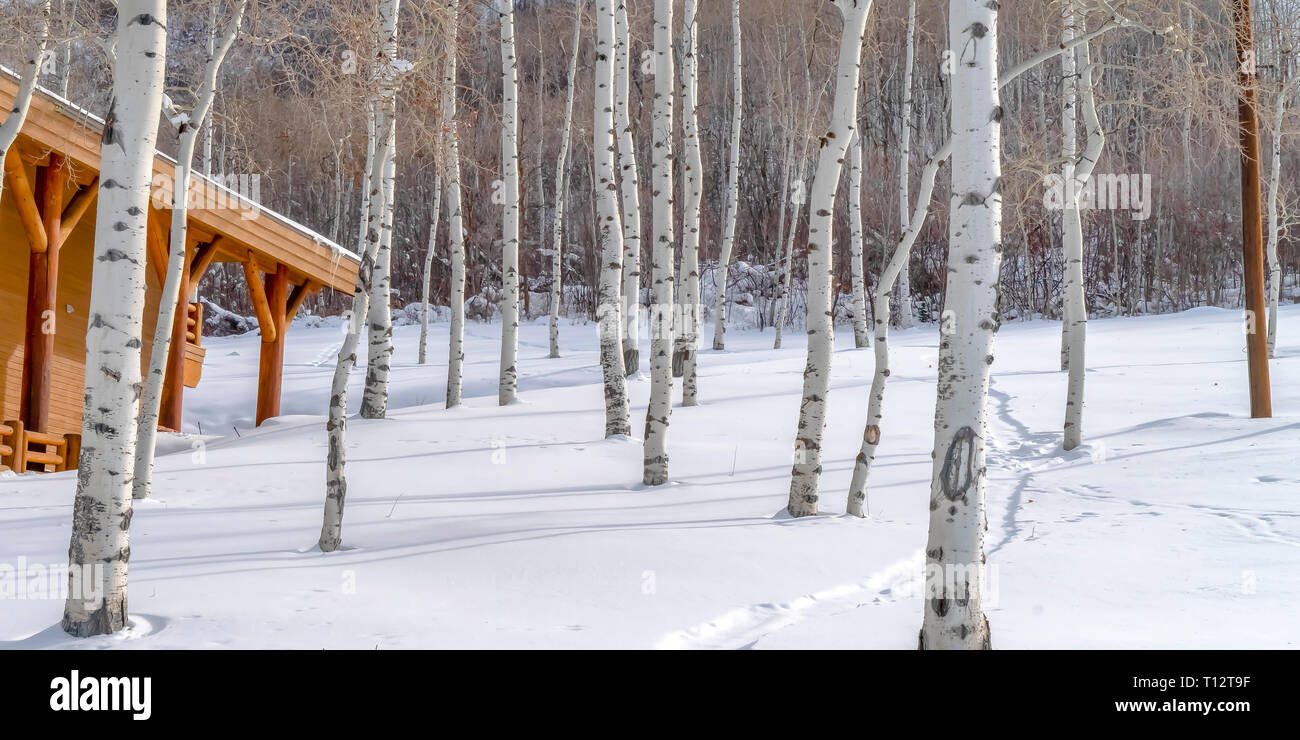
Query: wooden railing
point(22, 450)
point(194, 350)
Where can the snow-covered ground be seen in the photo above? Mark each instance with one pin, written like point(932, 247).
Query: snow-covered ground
point(1177, 525)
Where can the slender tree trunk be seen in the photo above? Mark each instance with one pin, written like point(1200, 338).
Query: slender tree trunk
point(630, 188)
point(381, 108)
point(455, 227)
point(1274, 181)
point(904, 290)
point(1071, 221)
point(953, 614)
point(821, 338)
point(379, 351)
point(147, 428)
point(787, 265)
point(509, 379)
point(428, 267)
point(733, 187)
point(693, 173)
point(101, 513)
point(561, 186)
point(1075, 298)
point(796, 201)
point(857, 276)
point(610, 230)
point(661, 316)
point(31, 73)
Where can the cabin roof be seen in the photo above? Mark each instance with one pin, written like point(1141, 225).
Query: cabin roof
point(248, 229)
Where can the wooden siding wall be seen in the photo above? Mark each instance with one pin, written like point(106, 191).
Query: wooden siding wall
point(68, 373)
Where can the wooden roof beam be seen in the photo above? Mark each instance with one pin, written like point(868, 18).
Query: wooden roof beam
point(203, 258)
point(300, 293)
point(25, 200)
point(76, 208)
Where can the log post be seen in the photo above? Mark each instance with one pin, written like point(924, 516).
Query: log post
point(271, 362)
point(170, 412)
point(1261, 406)
point(42, 296)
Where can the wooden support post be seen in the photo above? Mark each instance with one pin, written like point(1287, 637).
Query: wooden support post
point(1261, 406)
point(261, 304)
point(270, 372)
point(169, 414)
point(42, 296)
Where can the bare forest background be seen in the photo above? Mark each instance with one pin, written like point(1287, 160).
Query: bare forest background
point(291, 108)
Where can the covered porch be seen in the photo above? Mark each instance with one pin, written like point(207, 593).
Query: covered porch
point(47, 227)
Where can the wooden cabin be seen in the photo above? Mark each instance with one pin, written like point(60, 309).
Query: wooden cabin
point(47, 233)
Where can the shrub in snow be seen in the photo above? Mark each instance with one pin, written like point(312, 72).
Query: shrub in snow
point(218, 322)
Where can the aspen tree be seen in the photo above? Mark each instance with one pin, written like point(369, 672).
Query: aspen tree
point(455, 221)
point(692, 175)
point(509, 378)
point(629, 188)
point(561, 185)
point(435, 212)
point(1274, 229)
point(953, 616)
point(904, 288)
point(733, 186)
point(609, 228)
point(381, 108)
point(857, 275)
point(188, 127)
point(661, 316)
point(1077, 173)
point(101, 512)
point(379, 321)
point(834, 145)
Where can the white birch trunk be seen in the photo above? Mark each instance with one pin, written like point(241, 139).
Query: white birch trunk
point(1073, 239)
point(904, 290)
point(661, 315)
point(101, 513)
point(630, 188)
point(509, 378)
point(610, 230)
point(379, 322)
point(176, 265)
point(1274, 181)
point(857, 275)
point(692, 173)
point(455, 220)
point(834, 145)
point(30, 72)
point(561, 185)
point(953, 615)
point(1069, 153)
point(428, 268)
point(733, 186)
point(336, 485)
point(787, 266)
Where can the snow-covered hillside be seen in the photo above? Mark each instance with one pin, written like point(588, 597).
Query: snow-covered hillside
point(1176, 525)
